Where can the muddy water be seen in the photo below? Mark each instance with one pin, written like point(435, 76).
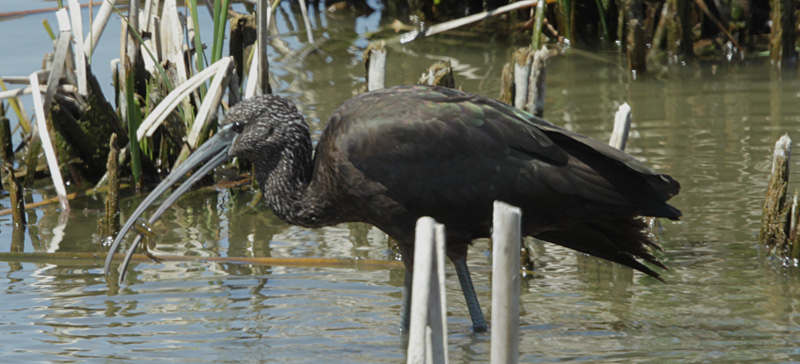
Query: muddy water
point(711, 127)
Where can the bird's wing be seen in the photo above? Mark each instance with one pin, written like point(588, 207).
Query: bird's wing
point(433, 150)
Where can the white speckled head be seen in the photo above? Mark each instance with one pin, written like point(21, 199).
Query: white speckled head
point(266, 125)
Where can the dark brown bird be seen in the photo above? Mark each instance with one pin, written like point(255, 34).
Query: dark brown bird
point(391, 156)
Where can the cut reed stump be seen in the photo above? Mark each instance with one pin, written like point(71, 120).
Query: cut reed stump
point(109, 225)
point(19, 223)
point(522, 60)
point(15, 195)
point(5, 140)
point(6, 150)
point(523, 80)
point(507, 85)
point(375, 65)
point(778, 233)
point(243, 37)
point(506, 240)
point(636, 43)
point(622, 127)
point(782, 36)
point(440, 74)
point(536, 83)
point(653, 56)
point(427, 334)
point(32, 160)
point(679, 35)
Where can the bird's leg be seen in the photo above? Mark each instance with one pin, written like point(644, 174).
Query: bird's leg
point(478, 323)
point(405, 306)
point(407, 252)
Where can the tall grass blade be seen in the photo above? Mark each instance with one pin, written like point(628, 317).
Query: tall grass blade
point(134, 119)
point(198, 44)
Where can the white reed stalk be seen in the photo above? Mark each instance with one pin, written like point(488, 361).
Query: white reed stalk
point(622, 126)
point(172, 40)
point(165, 107)
point(47, 144)
point(438, 28)
point(98, 26)
point(80, 55)
point(376, 74)
point(427, 336)
point(212, 99)
point(304, 10)
point(522, 69)
point(505, 283)
point(252, 75)
point(536, 84)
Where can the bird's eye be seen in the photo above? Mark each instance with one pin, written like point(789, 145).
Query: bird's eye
point(270, 131)
point(238, 127)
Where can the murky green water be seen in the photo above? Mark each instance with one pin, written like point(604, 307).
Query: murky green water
point(713, 131)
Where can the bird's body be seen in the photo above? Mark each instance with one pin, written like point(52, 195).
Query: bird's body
point(391, 156)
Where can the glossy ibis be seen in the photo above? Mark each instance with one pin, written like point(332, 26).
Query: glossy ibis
point(391, 156)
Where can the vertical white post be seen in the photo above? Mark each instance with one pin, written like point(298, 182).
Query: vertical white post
point(427, 340)
point(437, 314)
point(376, 72)
point(505, 283)
point(622, 126)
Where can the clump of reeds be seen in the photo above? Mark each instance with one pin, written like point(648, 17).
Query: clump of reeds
point(166, 101)
point(652, 33)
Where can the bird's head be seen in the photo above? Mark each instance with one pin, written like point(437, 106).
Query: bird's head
point(255, 129)
point(266, 125)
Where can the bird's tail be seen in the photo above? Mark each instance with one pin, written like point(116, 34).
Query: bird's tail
point(623, 240)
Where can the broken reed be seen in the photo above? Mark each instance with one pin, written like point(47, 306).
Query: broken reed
point(439, 74)
point(779, 221)
point(109, 225)
point(523, 81)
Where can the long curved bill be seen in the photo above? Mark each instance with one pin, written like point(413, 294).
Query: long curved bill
point(211, 154)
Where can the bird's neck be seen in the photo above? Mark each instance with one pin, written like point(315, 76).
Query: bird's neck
point(285, 184)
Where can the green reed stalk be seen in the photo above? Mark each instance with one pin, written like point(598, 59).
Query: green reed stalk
point(198, 43)
point(134, 119)
point(603, 25)
point(220, 19)
point(564, 17)
point(536, 41)
point(49, 30)
point(14, 102)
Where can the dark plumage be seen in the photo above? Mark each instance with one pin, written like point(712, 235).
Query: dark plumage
point(391, 156)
